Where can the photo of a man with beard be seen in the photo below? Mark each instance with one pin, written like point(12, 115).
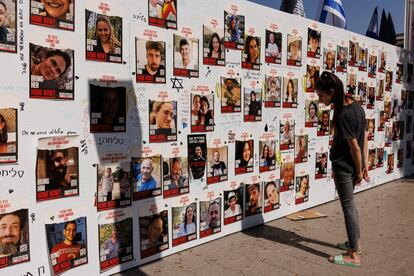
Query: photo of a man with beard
point(57, 170)
point(14, 240)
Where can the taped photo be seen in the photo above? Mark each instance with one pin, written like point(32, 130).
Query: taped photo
point(217, 168)
point(108, 109)
point(314, 43)
point(8, 26)
point(115, 243)
point(162, 121)
point(14, 237)
point(213, 46)
point(162, 13)
point(103, 37)
point(210, 217)
point(273, 49)
point(271, 195)
point(175, 176)
point(51, 73)
point(252, 104)
point(302, 189)
point(273, 91)
point(153, 231)
point(233, 31)
point(113, 186)
point(59, 14)
point(185, 57)
point(254, 199)
point(8, 135)
point(233, 205)
point(244, 159)
point(146, 176)
point(184, 224)
point(202, 113)
point(267, 159)
point(230, 95)
point(341, 59)
point(150, 61)
point(251, 53)
point(57, 168)
point(290, 93)
point(197, 155)
point(67, 244)
point(294, 51)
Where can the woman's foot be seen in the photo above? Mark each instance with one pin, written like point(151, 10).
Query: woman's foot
point(350, 258)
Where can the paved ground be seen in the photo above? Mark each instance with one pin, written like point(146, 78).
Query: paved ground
point(284, 247)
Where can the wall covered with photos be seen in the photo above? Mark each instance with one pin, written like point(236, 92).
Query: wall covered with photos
point(132, 130)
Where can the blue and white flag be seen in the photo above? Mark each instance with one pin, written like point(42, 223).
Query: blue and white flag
point(373, 27)
point(333, 13)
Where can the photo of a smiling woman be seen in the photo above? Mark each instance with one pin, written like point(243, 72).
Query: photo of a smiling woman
point(53, 13)
point(51, 69)
point(103, 37)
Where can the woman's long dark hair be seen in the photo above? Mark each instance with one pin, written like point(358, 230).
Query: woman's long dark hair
point(185, 217)
point(214, 35)
point(328, 83)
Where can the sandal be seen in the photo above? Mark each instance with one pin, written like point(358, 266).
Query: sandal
point(345, 246)
point(339, 259)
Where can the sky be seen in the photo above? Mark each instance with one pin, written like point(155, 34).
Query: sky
point(358, 12)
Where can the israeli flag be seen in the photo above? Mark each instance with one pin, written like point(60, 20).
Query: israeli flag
point(332, 13)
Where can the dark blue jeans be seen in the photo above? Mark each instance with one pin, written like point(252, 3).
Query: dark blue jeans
point(344, 183)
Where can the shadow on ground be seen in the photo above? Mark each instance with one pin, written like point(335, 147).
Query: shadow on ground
point(279, 235)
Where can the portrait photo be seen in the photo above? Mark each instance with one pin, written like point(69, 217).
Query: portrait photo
point(153, 231)
point(8, 136)
point(273, 91)
point(107, 109)
point(59, 14)
point(150, 61)
point(233, 31)
point(57, 173)
point(163, 13)
point(103, 37)
point(244, 159)
point(67, 244)
point(213, 46)
point(51, 73)
point(210, 217)
point(14, 237)
point(184, 223)
point(115, 243)
point(175, 176)
point(162, 121)
point(217, 166)
point(113, 185)
point(294, 50)
point(146, 176)
point(8, 26)
point(233, 205)
point(185, 56)
point(273, 47)
point(202, 112)
point(252, 104)
point(230, 97)
point(271, 195)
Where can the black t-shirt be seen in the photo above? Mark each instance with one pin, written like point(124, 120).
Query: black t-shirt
point(350, 124)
